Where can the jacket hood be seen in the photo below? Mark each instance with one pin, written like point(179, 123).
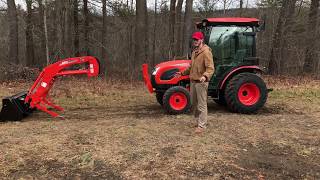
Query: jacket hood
point(204, 48)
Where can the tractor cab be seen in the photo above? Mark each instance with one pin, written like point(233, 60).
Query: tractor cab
point(233, 43)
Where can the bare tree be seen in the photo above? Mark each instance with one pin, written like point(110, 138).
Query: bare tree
point(46, 32)
point(171, 28)
point(287, 30)
point(154, 32)
point(226, 4)
point(60, 18)
point(140, 33)
point(76, 27)
point(29, 36)
point(276, 63)
point(86, 26)
point(13, 32)
point(103, 35)
point(187, 27)
point(42, 52)
point(178, 29)
point(206, 7)
point(311, 58)
point(241, 7)
point(68, 24)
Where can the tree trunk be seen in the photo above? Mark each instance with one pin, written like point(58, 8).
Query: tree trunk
point(241, 7)
point(171, 28)
point(154, 33)
point(29, 36)
point(46, 33)
point(86, 26)
point(187, 28)
point(68, 29)
point(140, 33)
point(76, 27)
point(287, 29)
point(103, 36)
point(61, 28)
point(274, 58)
point(13, 32)
point(146, 32)
point(178, 33)
point(42, 60)
point(311, 58)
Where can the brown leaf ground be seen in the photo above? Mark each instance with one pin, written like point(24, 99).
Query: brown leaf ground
point(114, 130)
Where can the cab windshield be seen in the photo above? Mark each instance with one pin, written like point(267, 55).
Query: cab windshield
point(229, 44)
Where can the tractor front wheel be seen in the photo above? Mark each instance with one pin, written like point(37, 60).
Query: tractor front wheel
point(246, 93)
point(176, 100)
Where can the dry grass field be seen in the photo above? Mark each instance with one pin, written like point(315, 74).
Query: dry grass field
point(114, 130)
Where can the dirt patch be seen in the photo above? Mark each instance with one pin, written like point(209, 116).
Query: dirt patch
point(280, 162)
point(36, 168)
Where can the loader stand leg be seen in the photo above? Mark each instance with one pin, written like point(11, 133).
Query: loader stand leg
point(48, 101)
point(43, 108)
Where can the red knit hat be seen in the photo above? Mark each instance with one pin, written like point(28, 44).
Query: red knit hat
point(197, 35)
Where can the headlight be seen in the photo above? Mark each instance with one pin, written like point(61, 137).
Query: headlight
point(154, 72)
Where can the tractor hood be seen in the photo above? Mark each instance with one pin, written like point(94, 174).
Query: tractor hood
point(174, 64)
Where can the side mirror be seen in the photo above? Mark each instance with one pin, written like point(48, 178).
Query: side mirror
point(262, 26)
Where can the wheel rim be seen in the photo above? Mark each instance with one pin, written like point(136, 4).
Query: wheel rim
point(249, 94)
point(178, 101)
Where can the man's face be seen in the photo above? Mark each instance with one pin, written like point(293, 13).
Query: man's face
point(197, 42)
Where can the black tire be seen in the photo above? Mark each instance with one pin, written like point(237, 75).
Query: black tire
point(181, 103)
point(221, 99)
point(252, 95)
point(159, 96)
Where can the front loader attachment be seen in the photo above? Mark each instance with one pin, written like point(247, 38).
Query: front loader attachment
point(14, 108)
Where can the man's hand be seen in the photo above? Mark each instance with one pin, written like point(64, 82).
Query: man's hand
point(203, 79)
point(178, 74)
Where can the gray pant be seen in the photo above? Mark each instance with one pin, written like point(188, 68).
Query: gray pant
point(199, 97)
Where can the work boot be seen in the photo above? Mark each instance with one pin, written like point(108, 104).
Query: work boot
point(199, 130)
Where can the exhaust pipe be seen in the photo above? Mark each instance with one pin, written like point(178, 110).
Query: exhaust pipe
point(14, 107)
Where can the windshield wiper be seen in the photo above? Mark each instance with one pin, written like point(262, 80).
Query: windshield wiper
point(222, 34)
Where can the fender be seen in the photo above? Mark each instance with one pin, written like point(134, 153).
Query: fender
point(236, 71)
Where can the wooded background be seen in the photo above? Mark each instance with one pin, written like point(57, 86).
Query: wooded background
point(123, 34)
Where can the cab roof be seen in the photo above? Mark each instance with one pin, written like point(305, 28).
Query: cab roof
point(229, 21)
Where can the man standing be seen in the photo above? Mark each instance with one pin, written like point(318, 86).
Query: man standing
point(200, 72)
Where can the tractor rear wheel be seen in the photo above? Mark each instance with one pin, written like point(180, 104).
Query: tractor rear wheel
point(246, 93)
point(176, 100)
point(159, 96)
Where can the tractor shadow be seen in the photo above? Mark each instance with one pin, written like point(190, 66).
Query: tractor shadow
point(138, 111)
point(143, 111)
point(216, 108)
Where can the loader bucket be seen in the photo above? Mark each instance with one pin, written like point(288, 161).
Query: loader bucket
point(14, 108)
